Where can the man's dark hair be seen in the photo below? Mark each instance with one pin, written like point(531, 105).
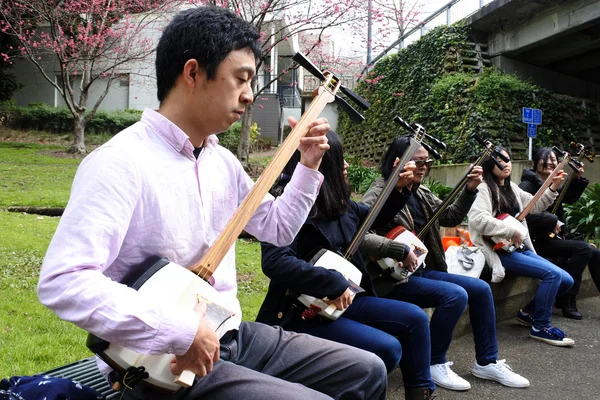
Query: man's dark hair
point(206, 34)
point(396, 150)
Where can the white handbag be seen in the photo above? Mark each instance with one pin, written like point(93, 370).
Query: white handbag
point(464, 260)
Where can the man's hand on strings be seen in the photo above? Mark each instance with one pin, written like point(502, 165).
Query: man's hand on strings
point(314, 144)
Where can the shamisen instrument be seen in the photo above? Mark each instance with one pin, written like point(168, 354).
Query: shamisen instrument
point(415, 241)
point(186, 287)
point(575, 164)
point(331, 260)
point(516, 223)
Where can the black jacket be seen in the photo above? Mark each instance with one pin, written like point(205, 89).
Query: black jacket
point(452, 216)
point(291, 274)
point(540, 224)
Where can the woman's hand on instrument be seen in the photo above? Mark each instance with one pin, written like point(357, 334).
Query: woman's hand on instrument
point(556, 229)
point(474, 178)
point(203, 352)
point(557, 180)
point(314, 144)
point(517, 239)
point(410, 262)
point(342, 302)
point(405, 177)
point(580, 171)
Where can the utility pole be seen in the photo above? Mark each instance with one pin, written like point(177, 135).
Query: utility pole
point(369, 34)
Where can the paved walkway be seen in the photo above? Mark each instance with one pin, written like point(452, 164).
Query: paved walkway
point(554, 373)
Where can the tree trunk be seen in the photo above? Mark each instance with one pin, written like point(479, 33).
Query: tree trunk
point(78, 146)
point(243, 150)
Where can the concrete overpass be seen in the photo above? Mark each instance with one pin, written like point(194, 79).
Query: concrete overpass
point(555, 44)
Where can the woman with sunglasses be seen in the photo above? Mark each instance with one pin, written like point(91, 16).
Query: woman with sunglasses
point(397, 332)
point(431, 285)
point(578, 253)
point(498, 195)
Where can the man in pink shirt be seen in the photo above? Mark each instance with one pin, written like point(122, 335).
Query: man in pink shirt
point(165, 187)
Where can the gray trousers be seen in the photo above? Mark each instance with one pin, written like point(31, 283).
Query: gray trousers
point(262, 362)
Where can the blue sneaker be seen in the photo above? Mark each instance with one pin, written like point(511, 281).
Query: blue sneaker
point(525, 319)
point(551, 335)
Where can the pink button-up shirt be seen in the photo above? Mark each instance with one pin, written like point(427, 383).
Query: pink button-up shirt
point(144, 193)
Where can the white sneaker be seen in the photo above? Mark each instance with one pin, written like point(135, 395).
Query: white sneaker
point(443, 376)
point(501, 373)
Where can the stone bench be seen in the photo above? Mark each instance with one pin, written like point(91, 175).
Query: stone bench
point(513, 293)
point(86, 372)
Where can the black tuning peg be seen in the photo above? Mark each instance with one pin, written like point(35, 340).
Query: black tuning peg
point(558, 151)
point(589, 155)
point(575, 165)
point(431, 150)
point(352, 113)
point(308, 65)
point(478, 139)
point(499, 154)
point(500, 166)
point(403, 124)
point(362, 103)
point(436, 141)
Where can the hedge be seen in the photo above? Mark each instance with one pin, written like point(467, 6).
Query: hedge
point(43, 117)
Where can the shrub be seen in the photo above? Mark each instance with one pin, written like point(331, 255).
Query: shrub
point(582, 216)
point(360, 177)
point(437, 188)
point(231, 138)
point(42, 117)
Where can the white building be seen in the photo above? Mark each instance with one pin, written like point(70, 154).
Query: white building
point(136, 86)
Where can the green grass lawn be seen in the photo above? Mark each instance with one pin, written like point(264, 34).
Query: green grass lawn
point(32, 338)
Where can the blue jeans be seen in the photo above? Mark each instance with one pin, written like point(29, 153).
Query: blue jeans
point(450, 294)
point(554, 281)
point(397, 332)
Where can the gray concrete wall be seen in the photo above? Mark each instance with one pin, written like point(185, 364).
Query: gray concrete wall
point(35, 86)
point(451, 174)
point(551, 80)
point(555, 19)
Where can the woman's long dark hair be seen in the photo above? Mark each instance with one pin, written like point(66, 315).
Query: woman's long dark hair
point(334, 195)
point(508, 198)
point(396, 150)
point(542, 153)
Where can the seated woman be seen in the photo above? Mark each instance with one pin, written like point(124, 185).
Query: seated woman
point(398, 332)
point(499, 195)
point(579, 254)
point(431, 285)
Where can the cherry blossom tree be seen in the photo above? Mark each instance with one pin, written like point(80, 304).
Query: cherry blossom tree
point(395, 17)
point(75, 43)
point(281, 20)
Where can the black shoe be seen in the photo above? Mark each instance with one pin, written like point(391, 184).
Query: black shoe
point(569, 307)
point(418, 394)
point(525, 319)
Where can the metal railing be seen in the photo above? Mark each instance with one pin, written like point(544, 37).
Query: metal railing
point(289, 96)
point(288, 93)
point(453, 11)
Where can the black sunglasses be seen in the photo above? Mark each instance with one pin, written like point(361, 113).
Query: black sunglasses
point(419, 163)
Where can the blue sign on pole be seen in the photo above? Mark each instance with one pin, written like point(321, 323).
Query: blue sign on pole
point(527, 115)
point(537, 116)
point(532, 130)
